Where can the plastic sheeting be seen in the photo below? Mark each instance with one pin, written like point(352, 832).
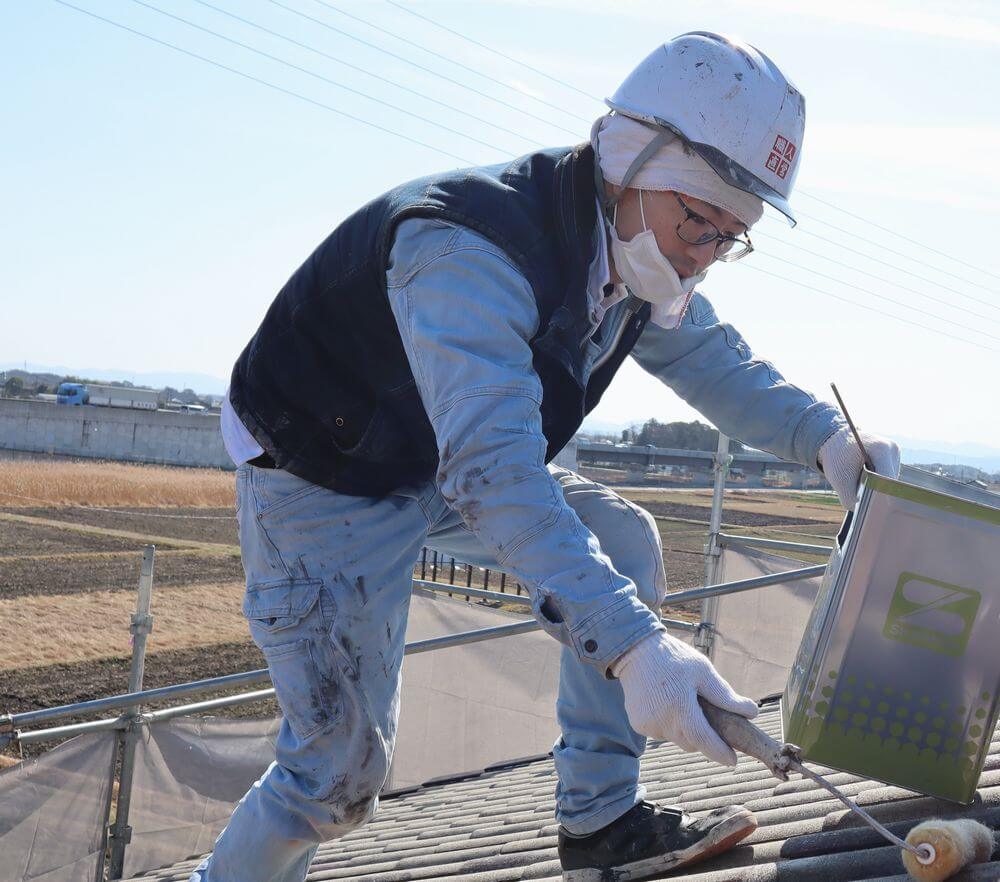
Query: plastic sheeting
point(52, 812)
point(462, 708)
point(469, 706)
point(758, 632)
point(189, 775)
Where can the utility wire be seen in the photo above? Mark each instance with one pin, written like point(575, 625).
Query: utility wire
point(899, 235)
point(556, 80)
point(252, 78)
point(798, 248)
point(355, 67)
point(464, 159)
point(466, 67)
point(311, 73)
point(497, 52)
point(431, 71)
point(870, 308)
point(884, 297)
point(892, 266)
point(903, 254)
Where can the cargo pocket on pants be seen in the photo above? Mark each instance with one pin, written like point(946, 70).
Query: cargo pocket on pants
point(289, 625)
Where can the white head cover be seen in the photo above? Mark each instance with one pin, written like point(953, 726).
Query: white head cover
point(671, 167)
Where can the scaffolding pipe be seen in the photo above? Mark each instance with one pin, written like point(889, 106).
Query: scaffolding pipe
point(447, 588)
point(126, 740)
point(744, 585)
point(730, 541)
point(184, 710)
point(116, 702)
point(441, 588)
point(15, 721)
point(248, 697)
point(710, 605)
point(55, 733)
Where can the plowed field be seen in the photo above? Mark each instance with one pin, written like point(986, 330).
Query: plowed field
point(68, 575)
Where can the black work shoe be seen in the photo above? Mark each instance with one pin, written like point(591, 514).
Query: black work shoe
point(651, 839)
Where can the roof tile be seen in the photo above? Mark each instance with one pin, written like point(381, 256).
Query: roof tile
point(497, 825)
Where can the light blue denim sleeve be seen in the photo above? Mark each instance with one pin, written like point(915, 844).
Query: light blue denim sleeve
point(712, 368)
point(466, 316)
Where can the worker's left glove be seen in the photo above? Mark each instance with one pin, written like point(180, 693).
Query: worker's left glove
point(841, 460)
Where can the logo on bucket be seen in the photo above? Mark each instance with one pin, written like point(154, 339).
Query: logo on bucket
point(931, 614)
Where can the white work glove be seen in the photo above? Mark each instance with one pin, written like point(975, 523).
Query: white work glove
point(662, 679)
point(841, 460)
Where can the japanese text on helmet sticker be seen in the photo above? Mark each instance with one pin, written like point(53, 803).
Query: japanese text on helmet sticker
point(781, 156)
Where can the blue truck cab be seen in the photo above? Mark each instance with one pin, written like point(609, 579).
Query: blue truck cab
point(72, 393)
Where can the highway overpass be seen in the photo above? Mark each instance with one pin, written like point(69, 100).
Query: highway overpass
point(621, 456)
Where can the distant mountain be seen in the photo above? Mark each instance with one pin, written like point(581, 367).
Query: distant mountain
point(914, 456)
point(971, 453)
point(204, 384)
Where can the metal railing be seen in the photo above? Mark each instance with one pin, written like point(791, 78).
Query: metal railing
point(129, 723)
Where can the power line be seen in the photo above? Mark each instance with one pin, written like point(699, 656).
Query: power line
point(432, 72)
point(566, 85)
point(884, 297)
point(311, 73)
point(465, 160)
point(900, 235)
point(263, 82)
point(892, 266)
point(469, 39)
point(799, 248)
point(355, 67)
point(870, 308)
point(466, 67)
point(902, 254)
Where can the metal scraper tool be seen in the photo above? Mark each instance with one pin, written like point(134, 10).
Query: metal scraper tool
point(850, 422)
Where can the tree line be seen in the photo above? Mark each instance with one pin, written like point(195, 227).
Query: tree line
point(677, 435)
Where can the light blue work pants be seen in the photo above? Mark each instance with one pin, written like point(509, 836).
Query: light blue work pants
point(328, 591)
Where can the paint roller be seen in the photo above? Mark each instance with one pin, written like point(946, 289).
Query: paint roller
point(933, 851)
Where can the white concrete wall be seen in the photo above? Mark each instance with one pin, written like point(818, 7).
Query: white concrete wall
point(567, 457)
point(112, 433)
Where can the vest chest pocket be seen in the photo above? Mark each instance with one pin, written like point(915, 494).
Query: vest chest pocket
point(290, 622)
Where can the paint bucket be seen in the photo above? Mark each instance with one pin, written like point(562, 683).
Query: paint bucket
point(898, 673)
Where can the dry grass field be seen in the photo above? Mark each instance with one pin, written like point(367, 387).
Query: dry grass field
point(30, 483)
point(71, 538)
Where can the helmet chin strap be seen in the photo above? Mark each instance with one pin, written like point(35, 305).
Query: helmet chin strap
point(662, 137)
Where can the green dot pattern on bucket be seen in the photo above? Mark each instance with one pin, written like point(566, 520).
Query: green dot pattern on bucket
point(874, 724)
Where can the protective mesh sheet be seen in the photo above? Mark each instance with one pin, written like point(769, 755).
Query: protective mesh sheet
point(189, 775)
point(462, 708)
point(52, 812)
point(469, 706)
point(758, 632)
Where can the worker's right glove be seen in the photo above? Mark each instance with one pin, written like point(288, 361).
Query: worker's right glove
point(662, 679)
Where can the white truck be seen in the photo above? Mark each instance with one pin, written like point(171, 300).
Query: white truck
point(107, 396)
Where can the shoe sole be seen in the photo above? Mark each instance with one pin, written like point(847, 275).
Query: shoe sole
point(721, 838)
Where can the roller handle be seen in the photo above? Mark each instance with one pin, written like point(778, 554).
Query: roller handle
point(742, 735)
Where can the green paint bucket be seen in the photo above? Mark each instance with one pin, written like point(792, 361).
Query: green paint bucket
point(898, 673)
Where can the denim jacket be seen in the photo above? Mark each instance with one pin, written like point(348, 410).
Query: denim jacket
point(466, 316)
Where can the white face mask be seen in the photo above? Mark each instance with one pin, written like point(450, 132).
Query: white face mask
point(649, 275)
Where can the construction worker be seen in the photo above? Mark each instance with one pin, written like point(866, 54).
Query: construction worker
point(410, 383)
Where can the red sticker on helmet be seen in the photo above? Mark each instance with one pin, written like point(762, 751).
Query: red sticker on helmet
point(780, 158)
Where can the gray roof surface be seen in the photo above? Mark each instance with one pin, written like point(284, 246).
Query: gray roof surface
point(497, 825)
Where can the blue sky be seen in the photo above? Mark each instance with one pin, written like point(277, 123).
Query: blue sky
point(153, 204)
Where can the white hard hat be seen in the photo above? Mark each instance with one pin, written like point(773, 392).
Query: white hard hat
point(727, 101)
